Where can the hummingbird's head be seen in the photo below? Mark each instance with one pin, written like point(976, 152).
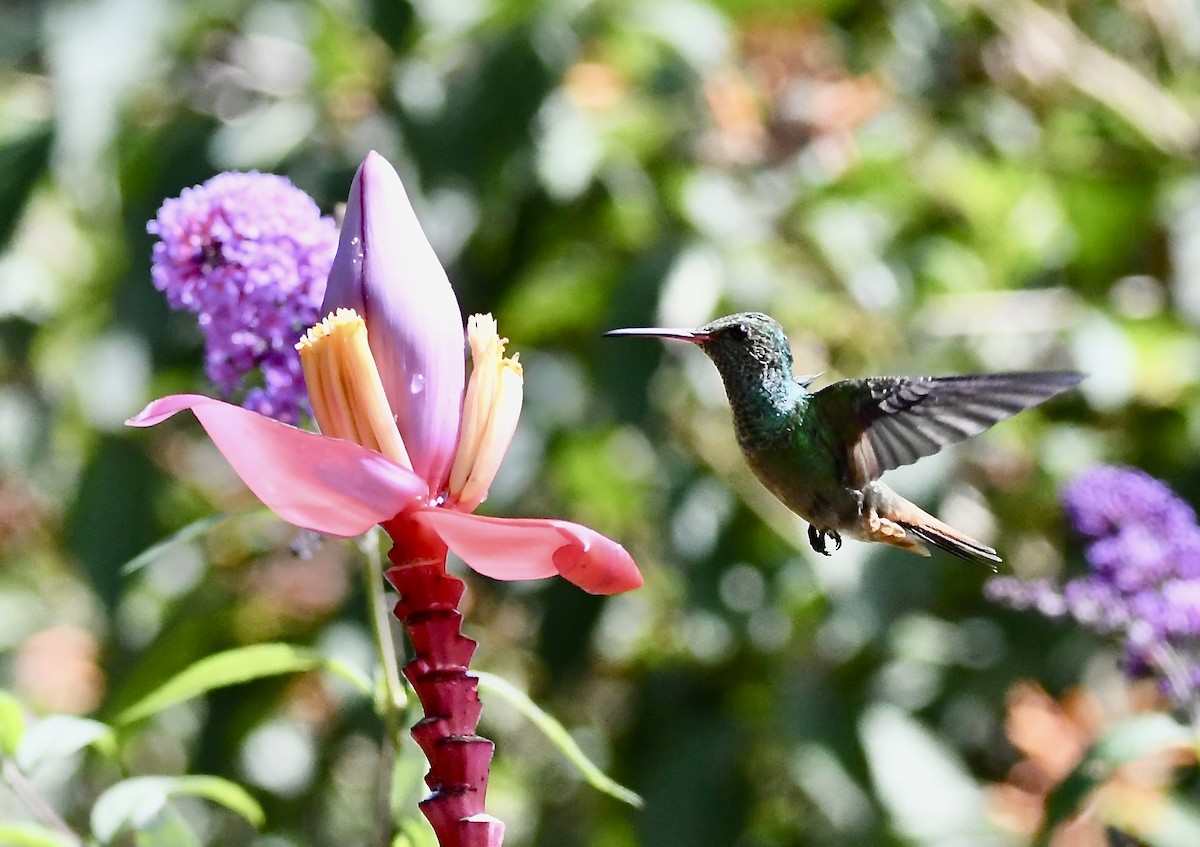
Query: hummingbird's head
point(746, 347)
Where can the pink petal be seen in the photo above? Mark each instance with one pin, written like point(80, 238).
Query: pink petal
point(318, 483)
point(533, 548)
point(386, 271)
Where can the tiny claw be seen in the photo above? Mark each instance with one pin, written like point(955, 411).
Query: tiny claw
point(837, 539)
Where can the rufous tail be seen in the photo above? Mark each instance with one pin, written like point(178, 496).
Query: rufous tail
point(896, 520)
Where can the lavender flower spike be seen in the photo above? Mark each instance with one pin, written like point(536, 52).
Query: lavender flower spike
point(1143, 579)
point(249, 254)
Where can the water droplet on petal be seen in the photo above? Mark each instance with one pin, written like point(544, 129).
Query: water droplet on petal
point(417, 384)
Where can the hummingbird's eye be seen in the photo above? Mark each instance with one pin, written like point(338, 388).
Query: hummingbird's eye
point(739, 332)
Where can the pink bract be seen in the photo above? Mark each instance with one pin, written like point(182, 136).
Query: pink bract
point(338, 488)
point(533, 548)
point(324, 484)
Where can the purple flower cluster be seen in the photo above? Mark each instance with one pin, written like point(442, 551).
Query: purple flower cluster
point(249, 254)
point(1143, 579)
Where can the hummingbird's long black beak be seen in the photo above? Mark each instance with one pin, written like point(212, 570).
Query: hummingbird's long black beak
point(691, 335)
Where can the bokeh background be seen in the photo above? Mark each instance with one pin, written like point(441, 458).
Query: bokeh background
point(908, 186)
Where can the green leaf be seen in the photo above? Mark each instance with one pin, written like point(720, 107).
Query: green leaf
point(241, 664)
point(23, 162)
point(167, 829)
point(132, 802)
point(193, 530)
point(408, 780)
point(32, 835)
point(558, 736)
point(1124, 743)
point(56, 737)
point(138, 801)
point(415, 832)
point(12, 724)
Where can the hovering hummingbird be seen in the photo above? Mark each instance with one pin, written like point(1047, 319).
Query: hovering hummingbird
point(822, 452)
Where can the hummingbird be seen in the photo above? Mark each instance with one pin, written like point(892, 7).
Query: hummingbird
point(822, 452)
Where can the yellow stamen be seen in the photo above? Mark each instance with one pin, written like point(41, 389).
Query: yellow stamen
point(491, 408)
point(344, 387)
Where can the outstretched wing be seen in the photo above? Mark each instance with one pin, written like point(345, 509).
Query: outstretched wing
point(889, 421)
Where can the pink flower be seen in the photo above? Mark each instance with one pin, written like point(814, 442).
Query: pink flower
point(386, 379)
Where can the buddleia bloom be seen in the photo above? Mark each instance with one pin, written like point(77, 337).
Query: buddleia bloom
point(1142, 547)
point(248, 254)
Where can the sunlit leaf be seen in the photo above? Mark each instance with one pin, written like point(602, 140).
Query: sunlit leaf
point(33, 835)
point(944, 800)
point(241, 664)
point(56, 737)
point(12, 723)
point(1124, 743)
point(135, 802)
point(168, 828)
point(558, 736)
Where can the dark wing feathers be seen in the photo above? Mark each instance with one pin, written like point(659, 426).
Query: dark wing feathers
point(892, 421)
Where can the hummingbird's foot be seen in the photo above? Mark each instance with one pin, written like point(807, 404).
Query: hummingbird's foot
point(817, 539)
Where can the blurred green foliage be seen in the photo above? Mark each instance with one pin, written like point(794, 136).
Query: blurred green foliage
point(912, 186)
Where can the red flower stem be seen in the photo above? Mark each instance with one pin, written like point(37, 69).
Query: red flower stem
point(459, 759)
